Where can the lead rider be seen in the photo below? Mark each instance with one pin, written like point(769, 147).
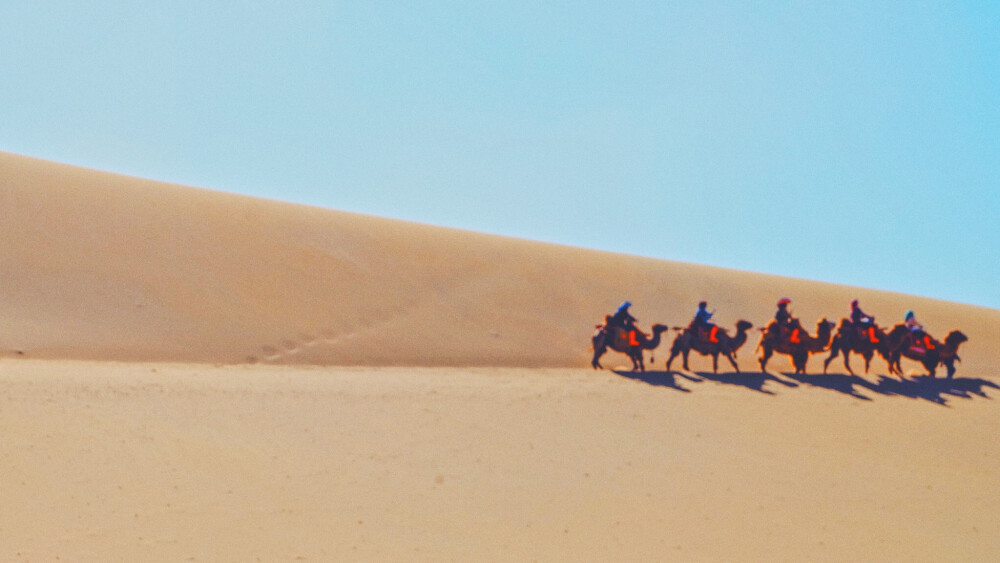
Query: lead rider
point(623, 319)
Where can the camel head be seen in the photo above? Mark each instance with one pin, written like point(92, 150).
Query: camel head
point(743, 326)
point(955, 338)
point(658, 328)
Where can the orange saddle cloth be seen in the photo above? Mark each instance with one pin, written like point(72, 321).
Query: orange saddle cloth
point(709, 334)
point(792, 334)
point(868, 334)
point(628, 337)
point(921, 346)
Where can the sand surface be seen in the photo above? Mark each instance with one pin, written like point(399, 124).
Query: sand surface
point(189, 462)
point(193, 375)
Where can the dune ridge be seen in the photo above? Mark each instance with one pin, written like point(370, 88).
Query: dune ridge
point(105, 266)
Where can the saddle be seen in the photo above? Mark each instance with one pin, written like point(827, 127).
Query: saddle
point(791, 334)
point(709, 334)
point(920, 346)
point(866, 333)
point(625, 337)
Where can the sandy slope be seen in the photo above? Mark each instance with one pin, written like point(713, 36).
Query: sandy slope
point(186, 440)
point(103, 266)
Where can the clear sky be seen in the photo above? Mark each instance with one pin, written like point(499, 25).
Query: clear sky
point(852, 142)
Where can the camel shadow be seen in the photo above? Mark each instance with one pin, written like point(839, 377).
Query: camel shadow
point(933, 390)
point(753, 381)
point(654, 378)
point(839, 382)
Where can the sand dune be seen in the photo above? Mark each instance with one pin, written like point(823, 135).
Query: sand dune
point(102, 266)
point(195, 375)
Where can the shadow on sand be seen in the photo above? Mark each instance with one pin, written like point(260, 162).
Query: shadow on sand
point(753, 381)
point(655, 378)
point(934, 390)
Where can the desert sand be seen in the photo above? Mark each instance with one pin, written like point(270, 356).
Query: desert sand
point(195, 375)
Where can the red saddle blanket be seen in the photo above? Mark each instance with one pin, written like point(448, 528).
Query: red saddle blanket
point(868, 334)
point(791, 334)
point(708, 334)
point(921, 346)
point(627, 337)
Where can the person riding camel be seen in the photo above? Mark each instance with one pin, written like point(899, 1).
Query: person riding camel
point(702, 326)
point(622, 317)
point(624, 320)
point(785, 322)
point(863, 322)
point(917, 332)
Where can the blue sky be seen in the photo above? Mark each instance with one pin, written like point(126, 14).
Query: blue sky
point(850, 142)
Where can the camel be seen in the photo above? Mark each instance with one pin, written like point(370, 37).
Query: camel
point(900, 343)
point(727, 345)
point(849, 340)
point(616, 338)
point(772, 340)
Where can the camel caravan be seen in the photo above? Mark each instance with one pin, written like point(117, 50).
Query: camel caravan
point(783, 334)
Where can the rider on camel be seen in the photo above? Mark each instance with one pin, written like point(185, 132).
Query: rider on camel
point(623, 319)
point(702, 321)
point(785, 322)
point(918, 333)
point(863, 322)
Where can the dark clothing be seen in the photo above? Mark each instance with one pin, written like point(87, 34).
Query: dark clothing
point(623, 319)
point(859, 318)
point(783, 317)
point(702, 326)
point(701, 318)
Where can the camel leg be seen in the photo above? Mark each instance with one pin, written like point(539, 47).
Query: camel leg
point(673, 354)
point(596, 362)
point(732, 360)
point(715, 362)
point(764, 357)
point(847, 360)
point(868, 360)
point(800, 360)
point(684, 354)
point(894, 364)
point(834, 352)
point(637, 361)
point(885, 357)
point(600, 346)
